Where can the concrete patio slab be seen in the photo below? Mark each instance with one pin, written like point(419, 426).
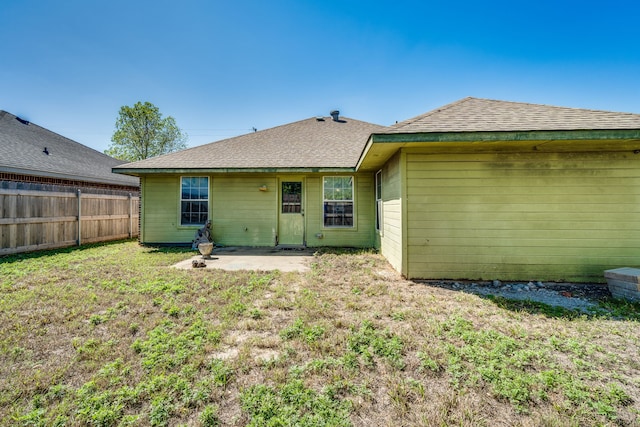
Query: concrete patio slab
point(262, 259)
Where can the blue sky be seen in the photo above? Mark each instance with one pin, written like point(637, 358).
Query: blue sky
point(221, 68)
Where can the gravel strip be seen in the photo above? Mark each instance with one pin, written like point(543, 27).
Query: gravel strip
point(572, 296)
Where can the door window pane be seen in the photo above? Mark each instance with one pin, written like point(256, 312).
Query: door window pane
point(292, 197)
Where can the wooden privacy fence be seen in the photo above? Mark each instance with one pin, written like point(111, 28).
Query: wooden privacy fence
point(35, 220)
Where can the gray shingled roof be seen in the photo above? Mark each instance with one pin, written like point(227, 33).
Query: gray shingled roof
point(22, 147)
point(485, 115)
point(311, 143)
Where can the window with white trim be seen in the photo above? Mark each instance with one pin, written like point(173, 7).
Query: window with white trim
point(194, 200)
point(338, 201)
point(379, 200)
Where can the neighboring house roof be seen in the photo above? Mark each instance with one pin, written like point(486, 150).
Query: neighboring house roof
point(22, 151)
point(486, 115)
point(317, 143)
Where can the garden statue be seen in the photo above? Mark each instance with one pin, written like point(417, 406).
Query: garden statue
point(203, 235)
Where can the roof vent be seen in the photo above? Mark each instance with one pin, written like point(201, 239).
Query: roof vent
point(45, 151)
point(335, 114)
point(23, 121)
point(320, 119)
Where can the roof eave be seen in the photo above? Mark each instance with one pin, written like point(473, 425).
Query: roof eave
point(533, 135)
point(365, 150)
point(81, 178)
point(179, 171)
point(382, 146)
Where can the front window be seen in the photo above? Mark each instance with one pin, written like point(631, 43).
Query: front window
point(194, 200)
point(338, 201)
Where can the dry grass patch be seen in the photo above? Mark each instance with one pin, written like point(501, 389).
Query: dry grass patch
point(110, 336)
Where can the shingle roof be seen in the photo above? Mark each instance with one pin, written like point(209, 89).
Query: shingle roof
point(485, 115)
point(309, 143)
point(22, 146)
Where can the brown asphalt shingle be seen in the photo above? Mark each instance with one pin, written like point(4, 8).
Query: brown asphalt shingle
point(309, 143)
point(485, 115)
point(22, 147)
point(313, 143)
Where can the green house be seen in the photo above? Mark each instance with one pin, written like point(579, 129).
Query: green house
point(477, 189)
point(291, 185)
point(483, 189)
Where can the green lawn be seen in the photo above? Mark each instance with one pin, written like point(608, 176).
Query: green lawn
point(110, 335)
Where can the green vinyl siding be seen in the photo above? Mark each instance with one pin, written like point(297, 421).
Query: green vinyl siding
point(391, 233)
point(243, 214)
point(160, 222)
point(361, 234)
point(522, 216)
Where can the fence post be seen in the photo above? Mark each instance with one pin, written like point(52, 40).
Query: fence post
point(130, 216)
point(79, 217)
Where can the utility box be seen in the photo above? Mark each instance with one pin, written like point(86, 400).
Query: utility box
point(624, 283)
